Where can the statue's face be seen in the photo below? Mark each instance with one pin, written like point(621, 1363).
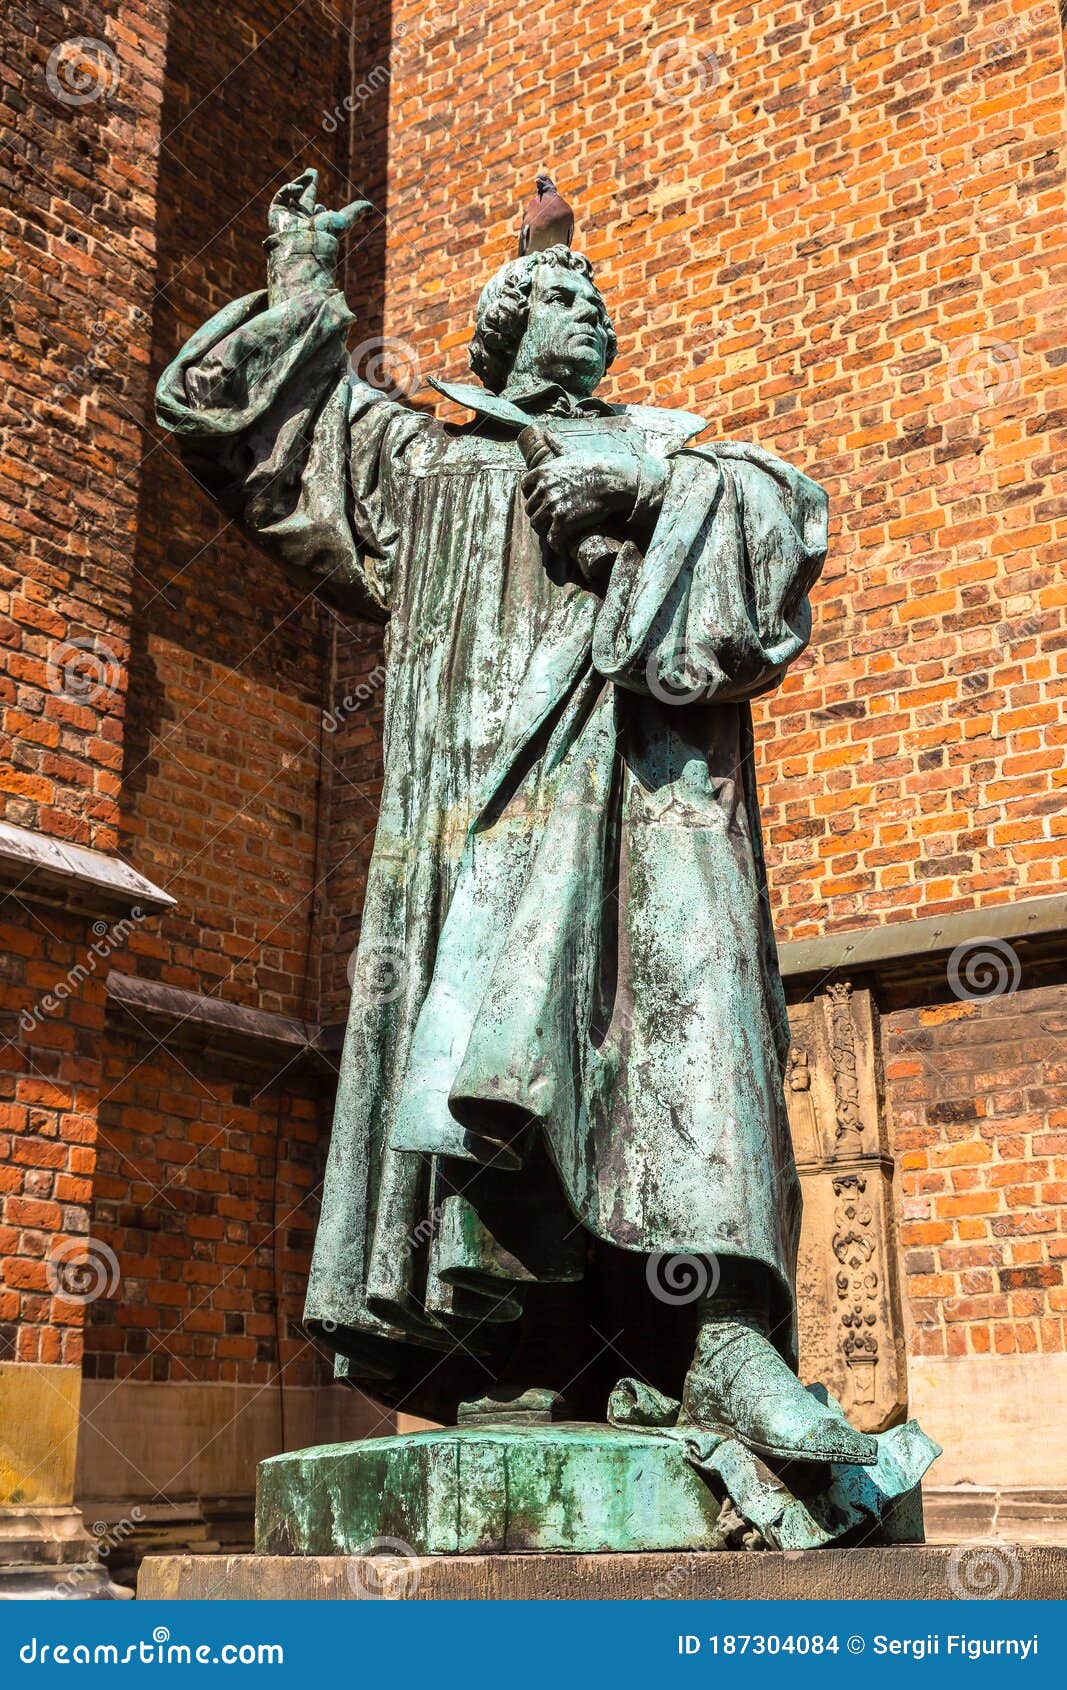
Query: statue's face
point(566, 339)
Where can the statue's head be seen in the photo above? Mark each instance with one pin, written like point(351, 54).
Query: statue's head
point(542, 318)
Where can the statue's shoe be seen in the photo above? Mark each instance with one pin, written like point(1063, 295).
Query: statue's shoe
point(740, 1386)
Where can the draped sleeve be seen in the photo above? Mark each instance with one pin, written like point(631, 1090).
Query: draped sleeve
point(716, 608)
point(301, 455)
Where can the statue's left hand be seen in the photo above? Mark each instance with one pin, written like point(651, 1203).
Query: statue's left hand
point(295, 207)
point(573, 494)
point(303, 240)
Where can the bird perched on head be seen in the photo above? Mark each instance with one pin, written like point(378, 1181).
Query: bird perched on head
point(547, 221)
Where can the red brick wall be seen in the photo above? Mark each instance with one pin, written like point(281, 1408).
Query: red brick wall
point(841, 232)
point(49, 1087)
point(213, 1241)
point(229, 663)
point(142, 209)
point(77, 269)
point(352, 729)
point(977, 1096)
point(77, 256)
point(225, 785)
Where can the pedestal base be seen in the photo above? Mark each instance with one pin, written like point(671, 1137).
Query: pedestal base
point(82, 1583)
point(902, 1573)
point(579, 1489)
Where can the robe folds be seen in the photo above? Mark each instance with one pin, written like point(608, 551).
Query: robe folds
point(567, 1021)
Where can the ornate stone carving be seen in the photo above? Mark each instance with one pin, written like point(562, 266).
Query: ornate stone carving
point(846, 1081)
point(850, 1324)
point(855, 1246)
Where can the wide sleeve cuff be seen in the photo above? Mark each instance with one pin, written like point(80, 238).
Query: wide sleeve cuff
point(716, 608)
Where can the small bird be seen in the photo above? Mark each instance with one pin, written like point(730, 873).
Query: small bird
point(547, 221)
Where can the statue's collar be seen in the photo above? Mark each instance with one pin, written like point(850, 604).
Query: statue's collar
point(546, 399)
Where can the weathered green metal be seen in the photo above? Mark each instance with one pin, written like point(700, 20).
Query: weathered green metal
point(567, 1033)
point(588, 1489)
point(466, 1491)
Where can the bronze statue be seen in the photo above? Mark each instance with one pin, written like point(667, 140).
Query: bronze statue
point(560, 1151)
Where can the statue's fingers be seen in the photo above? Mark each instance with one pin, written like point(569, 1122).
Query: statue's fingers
point(339, 222)
point(310, 179)
point(541, 498)
point(299, 194)
point(540, 519)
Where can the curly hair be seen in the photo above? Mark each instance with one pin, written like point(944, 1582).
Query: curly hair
point(504, 310)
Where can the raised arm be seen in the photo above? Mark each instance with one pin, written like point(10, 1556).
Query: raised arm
point(304, 237)
point(270, 422)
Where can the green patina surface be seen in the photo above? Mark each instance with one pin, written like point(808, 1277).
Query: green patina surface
point(566, 961)
point(579, 1488)
point(566, 1040)
point(468, 1491)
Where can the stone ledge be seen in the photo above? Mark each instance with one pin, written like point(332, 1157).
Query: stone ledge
point(52, 871)
point(919, 945)
point(1023, 1515)
point(900, 1573)
point(213, 1024)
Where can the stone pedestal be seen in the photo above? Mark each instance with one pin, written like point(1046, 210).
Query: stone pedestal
point(579, 1489)
point(902, 1573)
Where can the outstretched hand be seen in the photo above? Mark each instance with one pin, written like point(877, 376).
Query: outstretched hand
point(302, 246)
point(295, 207)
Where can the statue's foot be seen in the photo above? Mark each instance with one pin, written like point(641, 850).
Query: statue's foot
point(740, 1386)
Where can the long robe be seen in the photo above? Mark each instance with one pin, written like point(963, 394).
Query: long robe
point(567, 1021)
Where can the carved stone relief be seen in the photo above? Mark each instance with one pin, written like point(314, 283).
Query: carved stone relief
point(851, 1331)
